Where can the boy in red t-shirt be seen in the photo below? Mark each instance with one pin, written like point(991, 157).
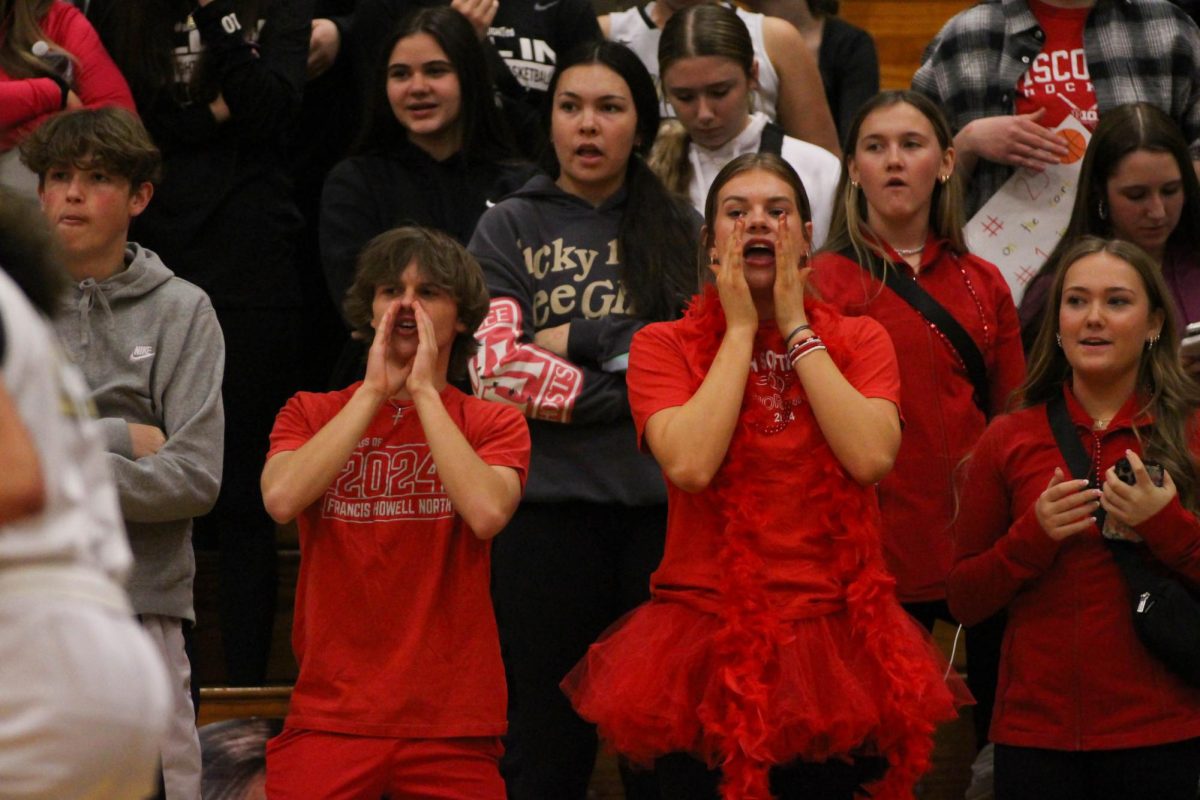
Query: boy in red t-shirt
point(397, 484)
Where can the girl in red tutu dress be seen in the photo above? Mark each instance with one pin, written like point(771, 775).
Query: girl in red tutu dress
point(773, 657)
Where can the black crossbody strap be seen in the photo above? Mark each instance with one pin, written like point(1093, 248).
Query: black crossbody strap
point(911, 292)
point(771, 139)
point(1073, 451)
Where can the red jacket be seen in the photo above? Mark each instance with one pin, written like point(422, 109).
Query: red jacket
point(941, 420)
point(1073, 674)
point(25, 103)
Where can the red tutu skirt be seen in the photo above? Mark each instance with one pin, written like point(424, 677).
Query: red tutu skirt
point(654, 679)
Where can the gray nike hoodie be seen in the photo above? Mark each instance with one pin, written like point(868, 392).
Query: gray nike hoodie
point(152, 352)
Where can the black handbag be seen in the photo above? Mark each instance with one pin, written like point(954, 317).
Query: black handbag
point(1166, 617)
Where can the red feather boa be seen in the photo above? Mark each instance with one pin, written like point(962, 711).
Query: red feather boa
point(739, 725)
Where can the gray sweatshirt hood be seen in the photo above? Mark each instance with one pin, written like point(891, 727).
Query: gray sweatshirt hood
point(92, 301)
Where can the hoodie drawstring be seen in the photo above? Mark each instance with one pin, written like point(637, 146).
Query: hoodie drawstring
point(90, 295)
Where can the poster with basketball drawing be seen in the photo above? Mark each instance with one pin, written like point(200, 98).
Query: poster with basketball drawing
point(1018, 227)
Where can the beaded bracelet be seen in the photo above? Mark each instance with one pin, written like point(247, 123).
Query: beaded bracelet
point(787, 339)
point(803, 347)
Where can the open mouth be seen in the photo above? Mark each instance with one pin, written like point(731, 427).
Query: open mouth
point(758, 251)
point(895, 183)
point(588, 151)
point(1094, 342)
point(406, 325)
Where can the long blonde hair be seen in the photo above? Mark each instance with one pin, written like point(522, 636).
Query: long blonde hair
point(20, 29)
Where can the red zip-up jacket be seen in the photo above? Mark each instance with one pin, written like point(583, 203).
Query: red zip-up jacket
point(941, 420)
point(1073, 674)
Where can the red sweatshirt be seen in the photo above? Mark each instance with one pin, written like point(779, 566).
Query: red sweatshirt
point(941, 420)
point(25, 103)
point(1073, 674)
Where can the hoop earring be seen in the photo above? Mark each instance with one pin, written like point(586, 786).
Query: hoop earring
point(1153, 340)
point(1101, 210)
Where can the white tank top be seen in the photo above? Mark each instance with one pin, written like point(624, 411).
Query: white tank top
point(635, 28)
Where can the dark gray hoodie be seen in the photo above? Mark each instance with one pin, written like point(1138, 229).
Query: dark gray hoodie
point(549, 258)
point(152, 352)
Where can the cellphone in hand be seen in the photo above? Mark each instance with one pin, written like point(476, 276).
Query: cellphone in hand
point(1124, 471)
point(1118, 530)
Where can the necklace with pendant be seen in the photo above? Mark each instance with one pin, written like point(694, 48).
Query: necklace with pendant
point(399, 415)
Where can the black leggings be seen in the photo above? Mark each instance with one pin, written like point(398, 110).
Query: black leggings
point(684, 777)
point(561, 574)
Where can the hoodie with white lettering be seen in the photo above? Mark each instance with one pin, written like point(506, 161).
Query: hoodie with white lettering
point(550, 257)
point(152, 352)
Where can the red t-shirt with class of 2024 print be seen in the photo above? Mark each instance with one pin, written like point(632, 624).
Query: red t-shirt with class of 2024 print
point(394, 630)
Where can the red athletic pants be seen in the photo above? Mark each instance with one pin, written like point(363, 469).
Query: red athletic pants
point(304, 764)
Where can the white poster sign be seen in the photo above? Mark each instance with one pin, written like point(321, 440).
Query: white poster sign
point(1020, 225)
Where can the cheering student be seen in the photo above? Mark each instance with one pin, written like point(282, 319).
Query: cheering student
point(398, 484)
point(773, 652)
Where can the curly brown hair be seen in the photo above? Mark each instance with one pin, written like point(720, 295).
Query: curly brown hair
point(443, 261)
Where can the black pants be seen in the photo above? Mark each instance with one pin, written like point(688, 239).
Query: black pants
point(983, 658)
point(1163, 772)
point(261, 355)
point(683, 777)
point(561, 574)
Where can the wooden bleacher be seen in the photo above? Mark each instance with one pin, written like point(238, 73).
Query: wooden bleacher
point(901, 29)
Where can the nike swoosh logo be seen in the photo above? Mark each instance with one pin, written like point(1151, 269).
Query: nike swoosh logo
point(141, 356)
point(545, 6)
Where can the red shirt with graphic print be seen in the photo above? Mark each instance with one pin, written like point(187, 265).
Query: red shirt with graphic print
point(394, 630)
point(1058, 79)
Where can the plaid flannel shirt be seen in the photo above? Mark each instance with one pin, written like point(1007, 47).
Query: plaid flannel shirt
point(1136, 50)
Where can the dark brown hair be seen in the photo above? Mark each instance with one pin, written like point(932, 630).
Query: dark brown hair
point(1124, 130)
point(657, 232)
point(485, 135)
